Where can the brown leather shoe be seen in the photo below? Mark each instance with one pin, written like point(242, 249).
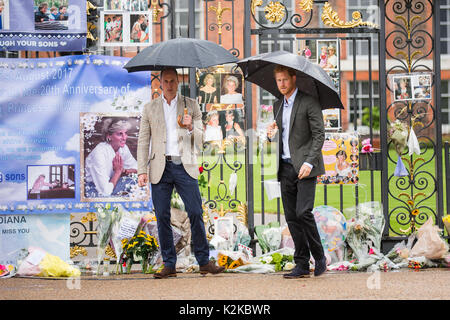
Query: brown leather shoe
point(166, 273)
point(211, 268)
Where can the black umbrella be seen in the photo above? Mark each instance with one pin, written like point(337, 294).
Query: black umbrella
point(180, 53)
point(311, 78)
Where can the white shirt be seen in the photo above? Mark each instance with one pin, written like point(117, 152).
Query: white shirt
point(170, 116)
point(99, 168)
point(287, 111)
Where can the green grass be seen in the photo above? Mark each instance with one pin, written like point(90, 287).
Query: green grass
point(341, 197)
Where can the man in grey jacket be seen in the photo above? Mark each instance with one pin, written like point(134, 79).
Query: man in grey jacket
point(300, 140)
point(167, 158)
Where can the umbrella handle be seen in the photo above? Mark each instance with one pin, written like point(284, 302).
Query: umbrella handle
point(179, 120)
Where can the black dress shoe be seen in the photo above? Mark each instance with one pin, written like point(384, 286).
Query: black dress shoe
point(297, 273)
point(320, 267)
point(166, 273)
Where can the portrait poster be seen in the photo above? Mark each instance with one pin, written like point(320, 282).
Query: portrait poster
point(125, 28)
point(340, 153)
point(40, 25)
point(43, 103)
point(100, 136)
point(220, 90)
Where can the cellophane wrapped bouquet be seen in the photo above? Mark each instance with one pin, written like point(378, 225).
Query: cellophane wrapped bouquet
point(364, 232)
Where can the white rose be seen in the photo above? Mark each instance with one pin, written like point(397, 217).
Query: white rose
point(289, 266)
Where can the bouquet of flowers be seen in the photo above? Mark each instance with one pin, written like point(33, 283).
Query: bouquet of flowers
point(364, 233)
point(230, 259)
point(282, 262)
point(446, 221)
point(6, 271)
point(140, 247)
point(264, 120)
point(106, 217)
point(398, 135)
point(269, 236)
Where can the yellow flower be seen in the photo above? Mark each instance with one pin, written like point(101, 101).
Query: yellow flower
point(446, 218)
point(222, 260)
point(235, 264)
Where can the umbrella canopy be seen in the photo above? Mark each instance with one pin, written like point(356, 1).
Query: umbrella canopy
point(180, 53)
point(311, 78)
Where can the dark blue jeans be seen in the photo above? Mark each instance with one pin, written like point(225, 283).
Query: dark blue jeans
point(187, 187)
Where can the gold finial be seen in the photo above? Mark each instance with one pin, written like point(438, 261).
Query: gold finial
point(274, 11)
point(306, 5)
point(331, 19)
point(219, 12)
point(156, 11)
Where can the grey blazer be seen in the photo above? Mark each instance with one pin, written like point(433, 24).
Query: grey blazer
point(306, 133)
point(152, 139)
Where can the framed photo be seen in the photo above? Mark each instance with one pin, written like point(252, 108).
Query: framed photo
point(112, 29)
point(140, 28)
point(53, 181)
point(108, 155)
point(223, 124)
point(402, 87)
point(421, 86)
point(307, 48)
point(341, 158)
point(123, 28)
point(231, 88)
point(327, 54)
point(208, 89)
point(332, 119)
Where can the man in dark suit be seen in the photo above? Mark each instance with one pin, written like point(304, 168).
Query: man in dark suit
point(300, 139)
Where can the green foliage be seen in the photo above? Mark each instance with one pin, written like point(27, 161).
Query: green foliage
point(375, 117)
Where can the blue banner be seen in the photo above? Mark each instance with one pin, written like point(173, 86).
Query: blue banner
point(67, 126)
point(43, 26)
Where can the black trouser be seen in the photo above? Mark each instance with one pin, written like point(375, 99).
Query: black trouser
point(298, 202)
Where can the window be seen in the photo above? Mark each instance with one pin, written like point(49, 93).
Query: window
point(445, 27)
point(56, 174)
point(181, 16)
point(362, 100)
point(370, 12)
point(445, 106)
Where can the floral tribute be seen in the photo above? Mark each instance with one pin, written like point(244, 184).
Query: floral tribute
point(140, 247)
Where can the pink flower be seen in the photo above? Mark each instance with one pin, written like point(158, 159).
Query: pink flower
point(371, 251)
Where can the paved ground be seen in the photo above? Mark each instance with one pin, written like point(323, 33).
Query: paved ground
point(407, 284)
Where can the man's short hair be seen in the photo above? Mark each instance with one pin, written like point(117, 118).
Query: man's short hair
point(168, 69)
point(279, 68)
